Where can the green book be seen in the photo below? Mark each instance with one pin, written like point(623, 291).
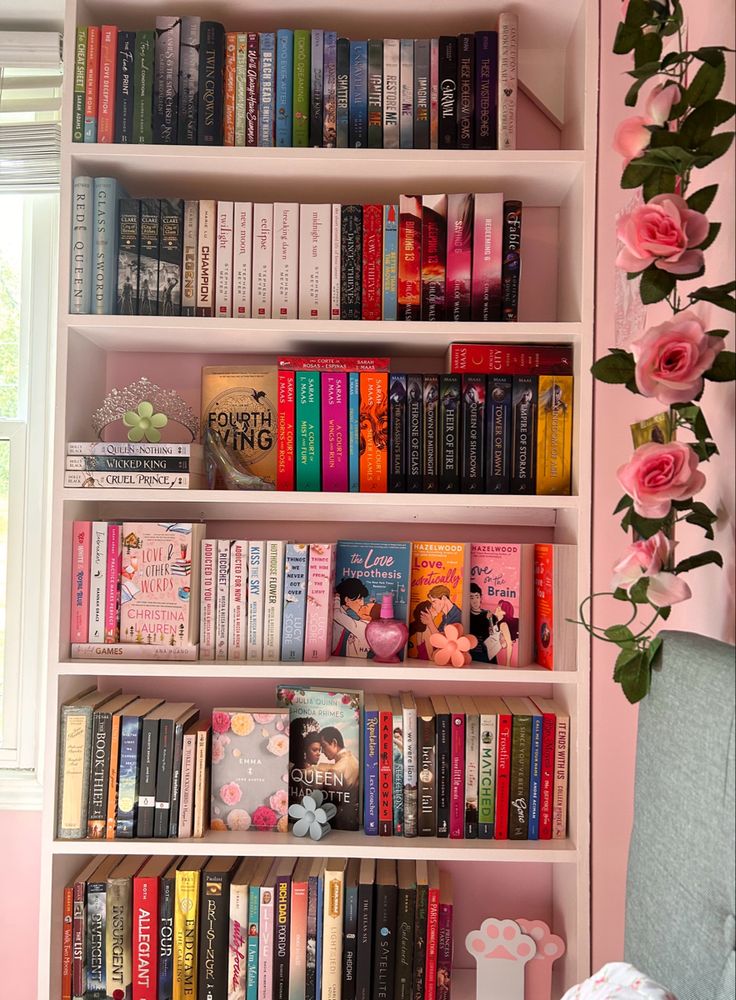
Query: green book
point(308, 459)
point(241, 84)
point(143, 87)
point(487, 767)
point(80, 83)
point(302, 73)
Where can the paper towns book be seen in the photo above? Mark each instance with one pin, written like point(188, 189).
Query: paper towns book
point(436, 595)
point(501, 602)
point(250, 751)
point(364, 572)
point(324, 748)
point(159, 586)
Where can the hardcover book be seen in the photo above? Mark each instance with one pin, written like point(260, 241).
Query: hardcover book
point(166, 81)
point(508, 55)
point(210, 119)
point(384, 938)
point(214, 927)
point(99, 776)
point(510, 359)
point(555, 572)
point(524, 403)
point(486, 61)
point(501, 602)
point(262, 260)
point(487, 257)
point(554, 435)
point(124, 96)
point(460, 215)
point(188, 112)
point(511, 272)
point(371, 301)
point(414, 433)
point(498, 435)
point(437, 592)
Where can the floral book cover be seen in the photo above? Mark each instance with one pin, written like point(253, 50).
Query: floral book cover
point(250, 780)
point(324, 748)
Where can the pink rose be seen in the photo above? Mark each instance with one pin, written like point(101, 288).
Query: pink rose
point(279, 802)
point(646, 559)
point(664, 232)
point(631, 137)
point(671, 359)
point(657, 474)
point(220, 721)
point(263, 719)
point(264, 818)
point(218, 752)
point(239, 819)
point(658, 105)
point(230, 794)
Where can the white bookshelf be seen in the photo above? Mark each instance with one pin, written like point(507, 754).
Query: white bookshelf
point(558, 67)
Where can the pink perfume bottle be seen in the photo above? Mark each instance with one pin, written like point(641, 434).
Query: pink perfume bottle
point(386, 635)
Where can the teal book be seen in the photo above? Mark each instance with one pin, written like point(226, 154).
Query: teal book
point(308, 452)
point(284, 85)
point(254, 910)
point(354, 431)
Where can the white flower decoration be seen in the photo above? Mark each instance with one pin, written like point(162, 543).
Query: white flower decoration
point(312, 816)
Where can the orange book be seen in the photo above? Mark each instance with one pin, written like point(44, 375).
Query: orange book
point(231, 55)
point(112, 784)
point(373, 432)
point(436, 595)
point(106, 98)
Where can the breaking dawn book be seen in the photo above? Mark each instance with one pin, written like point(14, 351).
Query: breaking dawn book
point(324, 748)
point(501, 603)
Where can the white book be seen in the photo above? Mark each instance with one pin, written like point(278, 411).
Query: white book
point(256, 579)
point(238, 601)
point(242, 258)
point(336, 238)
point(273, 600)
point(206, 258)
point(208, 599)
point(314, 261)
point(189, 259)
point(411, 763)
point(285, 291)
point(262, 260)
point(132, 651)
point(224, 262)
point(130, 449)
point(80, 297)
point(97, 581)
point(508, 68)
point(222, 582)
point(406, 99)
point(472, 758)
point(127, 480)
point(488, 754)
point(391, 81)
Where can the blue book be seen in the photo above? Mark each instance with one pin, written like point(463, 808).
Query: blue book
point(370, 768)
point(364, 572)
point(358, 121)
point(295, 602)
point(390, 259)
point(104, 246)
point(320, 917)
point(83, 201)
point(284, 85)
point(129, 765)
point(254, 910)
point(354, 431)
point(266, 96)
point(535, 775)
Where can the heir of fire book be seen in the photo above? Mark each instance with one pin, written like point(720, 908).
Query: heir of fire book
point(324, 748)
point(436, 598)
point(250, 750)
point(364, 572)
point(159, 591)
point(501, 602)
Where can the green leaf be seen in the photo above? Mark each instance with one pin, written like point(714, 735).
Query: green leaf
point(624, 657)
point(633, 92)
point(634, 676)
point(700, 201)
point(701, 559)
point(711, 54)
point(620, 594)
point(647, 49)
point(626, 38)
point(655, 285)
point(638, 592)
point(619, 633)
point(701, 522)
point(713, 148)
point(635, 174)
point(623, 503)
point(614, 369)
point(638, 13)
point(713, 231)
point(718, 295)
point(662, 181)
point(646, 526)
point(723, 369)
point(700, 123)
point(654, 652)
point(704, 450)
point(706, 83)
point(700, 425)
point(671, 157)
point(663, 138)
point(718, 333)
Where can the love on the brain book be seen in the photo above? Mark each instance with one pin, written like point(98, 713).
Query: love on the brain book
point(250, 779)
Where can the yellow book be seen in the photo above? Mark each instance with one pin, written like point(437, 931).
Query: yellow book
point(185, 928)
point(554, 435)
point(332, 929)
point(436, 596)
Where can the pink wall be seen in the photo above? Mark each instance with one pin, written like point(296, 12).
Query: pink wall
point(20, 847)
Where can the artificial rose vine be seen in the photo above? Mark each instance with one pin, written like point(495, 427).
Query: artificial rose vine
point(664, 241)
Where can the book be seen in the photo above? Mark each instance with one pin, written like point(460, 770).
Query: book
point(286, 431)
point(364, 933)
point(148, 257)
point(472, 767)
point(152, 756)
point(552, 771)
point(333, 363)
point(81, 583)
point(273, 600)
point(426, 768)
point(354, 431)
point(384, 938)
point(422, 93)
point(351, 267)
point(118, 937)
point(329, 84)
point(364, 572)
point(488, 229)
point(170, 257)
point(486, 63)
point(370, 765)
point(314, 261)
point(350, 935)
point(524, 405)
point(92, 83)
point(89, 928)
point(112, 786)
point(206, 257)
point(80, 299)
point(501, 603)
point(520, 771)
point(554, 435)
point(445, 938)
point(104, 248)
point(535, 769)
point(433, 930)
point(284, 86)
point(511, 271)
point(130, 764)
point(342, 92)
point(555, 572)
point(188, 110)
point(508, 57)
point(202, 756)
point(252, 91)
point(358, 92)
point(312, 985)
point(99, 767)
point(266, 920)
point(466, 91)
point(188, 880)
point(127, 480)
point(166, 81)
point(448, 97)
point(489, 708)
point(443, 724)
point(390, 261)
point(510, 359)
point(420, 930)
point(256, 602)
point(143, 86)
point(414, 433)
point(80, 69)
point(107, 71)
point(457, 706)
point(458, 284)
point(145, 927)
point(295, 602)
point(397, 422)
point(224, 260)
point(391, 92)
point(334, 398)
point(172, 723)
point(562, 749)
point(254, 920)
point(430, 437)
point(213, 950)
point(324, 748)
point(238, 934)
point(375, 93)
point(308, 437)
point(335, 260)
point(409, 288)
point(434, 256)
point(372, 292)
point(301, 95)
point(262, 260)
point(406, 94)
point(409, 774)
point(113, 588)
point(298, 913)
point(397, 766)
point(318, 627)
point(282, 928)
point(373, 432)
point(241, 87)
point(189, 259)
point(332, 941)
point(316, 114)
point(437, 592)
point(385, 766)
point(503, 771)
point(210, 117)
point(434, 92)
point(498, 435)
point(405, 926)
point(166, 907)
point(266, 88)
point(285, 293)
point(473, 422)
point(235, 600)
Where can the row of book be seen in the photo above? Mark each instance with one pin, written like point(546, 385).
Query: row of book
point(152, 590)
point(430, 257)
point(229, 928)
point(192, 82)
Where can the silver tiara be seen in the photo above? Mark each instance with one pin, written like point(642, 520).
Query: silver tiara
point(119, 401)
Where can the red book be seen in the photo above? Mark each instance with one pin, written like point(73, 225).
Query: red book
point(434, 256)
point(286, 430)
point(299, 363)
point(409, 289)
point(231, 52)
point(91, 90)
point(372, 299)
point(510, 359)
point(547, 770)
point(433, 931)
point(251, 90)
point(385, 767)
point(457, 767)
point(145, 928)
point(503, 777)
point(66, 943)
point(108, 62)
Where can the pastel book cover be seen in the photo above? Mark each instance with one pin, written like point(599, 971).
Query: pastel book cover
point(250, 751)
point(364, 572)
point(436, 596)
point(324, 748)
point(501, 596)
point(318, 633)
point(159, 591)
point(293, 620)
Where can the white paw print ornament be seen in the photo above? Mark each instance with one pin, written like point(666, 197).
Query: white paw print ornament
point(501, 950)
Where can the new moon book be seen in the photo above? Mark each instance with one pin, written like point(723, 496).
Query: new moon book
point(250, 751)
point(324, 748)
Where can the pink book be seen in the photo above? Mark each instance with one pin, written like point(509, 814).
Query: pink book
point(444, 939)
point(318, 632)
point(433, 932)
point(487, 254)
point(559, 802)
point(81, 552)
point(265, 942)
point(459, 256)
point(298, 934)
point(334, 432)
point(502, 603)
point(457, 767)
point(112, 582)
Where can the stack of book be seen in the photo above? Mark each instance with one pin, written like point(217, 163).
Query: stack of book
point(227, 928)
point(430, 257)
point(191, 82)
point(127, 465)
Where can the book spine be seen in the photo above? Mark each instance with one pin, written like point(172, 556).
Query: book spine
point(457, 777)
point(108, 70)
point(201, 784)
point(208, 600)
point(166, 81)
point(375, 94)
point(294, 611)
point(79, 933)
point(144, 932)
point(397, 441)
point(118, 943)
point(521, 737)
point(354, 431)
point(224, 260)
point(332, 945)
point(254, 919)
point(143, 80)
point(262, 260)
point(384, 948)
point(222, 590)
point(282, 919)
point(385, 774)
point(487, 777)
point(406, 98)
point(170, 258)
point(80, 298)
point(559, 809)
point(188, 109)
point(166, 907)
point(315, 223)
point(434, 93)
point(420, 941)
point(434, 256)
point(503, 777)
point(320, 921)
point(186, 917)
point(241, 86)
point(523, 434)
point(112, 786)
point(128, 243)
point(487, 247)
point(422, 96)
point(448, 98)
point(127, 480)
point(335, 260)
point(256, 574)
point(128, 774)
point(124, 94)
point(466, 91)
point(242, 258)
point(213, 936)
point(472, 471)
point(430, 439)
point(459, 256)
point(485, 56)
point(374, 417)
point(498, 435)
point(364, 962)
point(92, 84)
point(370, 773)
point(284, 86)
point(80, 69)
point(547, 783)
point(265, 948)
point(398, 770)
point(508, 60)
point(252, 95)
point(414, 421)
point(266, 95)
point(308, 457)
point(342, 93)
point(210, 115)
point(372, 262)
point(410, 258)
point(95, 935)
point(316, 112)
point(433, 933)
point(554, 435)
point(310, 988)
point(450, 416)
point(230, 72)
point(405, 917)
point(427, 768)
point(81, 555)
point(131, 651)
point(390, 261)
point(334, 394)
point(535, 777)
point(472, 760)
point(237, 944)
point(351, 241)
point(67, 935)
point(329, 83)
point(286, 417)
point(99, 775)
point(206, 242)
point(358, 123)
point(297, 971)
point(273, 599)
point(350, 945)
point(411, 771)
point(511, 273)
point(149, 257)
point(391, 92)
point(502, 359)
point(164, 773)
point(444, 952)
point(302, 75)
point(190, 243)
point(285, 291)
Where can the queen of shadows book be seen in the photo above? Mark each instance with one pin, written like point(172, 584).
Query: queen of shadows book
point(501, 602)
point(324, 748)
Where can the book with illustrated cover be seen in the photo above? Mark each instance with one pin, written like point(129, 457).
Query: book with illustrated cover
point(170, 257)
point(374, 428)
point(324, 748)
point(437, 592)
point(406, 98)
point(148, 257)
point(370, 765)
point(252, 87)
point(93, 925)
point(501, 602)
point(266, 88)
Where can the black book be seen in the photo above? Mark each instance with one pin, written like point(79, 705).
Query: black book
point(316, 876)
point(397, 431)
point(420, 930)
point(415, 427)
point(511, 265)
point(427, 785)
point(147, 773)
point(189, 81)
point(466, 91)
point(166, 907)
point(384, 938)
point(448, 92)
point(342, 92)
point(449, 434)
point(444, 763)
point(405, 925)
point(421, 93)
point(100, 766)
point(166, 81)
point(498, 434)
point(351, 262)
point(171, 248)
point(282, 928)
point(169, 727)
point(472, 467)
point(148, 257)
point(524, 398)
point(211, 84)
point(364, 966)
point(125, 88)
point(430, 433)
point(129, 220)
point(350, 937)
point(375, 93)
point(521, 759)
point(176, 762)
point(214, 928)
point(317, 90)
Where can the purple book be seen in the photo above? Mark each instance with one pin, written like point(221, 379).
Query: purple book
point(459, 256)
point(486, 90)
point(487, 257)
point(335, 432)
point(444, 943)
